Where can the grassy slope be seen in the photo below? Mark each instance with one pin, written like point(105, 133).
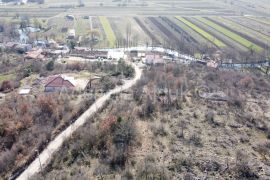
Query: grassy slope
point(108, 30)
point(203, 33)
point(231, 35)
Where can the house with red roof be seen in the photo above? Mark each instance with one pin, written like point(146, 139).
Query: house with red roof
point(59, 83)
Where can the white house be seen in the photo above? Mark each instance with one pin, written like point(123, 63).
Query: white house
point(116, 54)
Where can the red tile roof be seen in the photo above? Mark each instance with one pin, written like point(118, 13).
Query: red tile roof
point(58, 81)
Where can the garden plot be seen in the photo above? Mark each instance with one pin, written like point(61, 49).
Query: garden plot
point(58, 28)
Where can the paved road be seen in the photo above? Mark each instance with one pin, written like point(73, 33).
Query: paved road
point(56, 144)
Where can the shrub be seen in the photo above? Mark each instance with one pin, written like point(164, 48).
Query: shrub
point(237, 102)
point(75, 67)
point(196, 140)
point(107, 84)
point(180, 164)
point(6, 86)
point(210, 116)
point(149, 107)
point(159, 130)
point(137, 93)
point(7, 158)
point(246, 82)
point(50, 66)
point(127, 176)
point(245, 171)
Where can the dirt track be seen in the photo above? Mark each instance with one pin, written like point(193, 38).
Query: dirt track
point(45, 157)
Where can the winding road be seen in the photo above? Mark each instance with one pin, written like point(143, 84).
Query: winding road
point(47, 154)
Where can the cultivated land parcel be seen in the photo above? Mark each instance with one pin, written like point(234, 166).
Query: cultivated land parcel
point(194, 23)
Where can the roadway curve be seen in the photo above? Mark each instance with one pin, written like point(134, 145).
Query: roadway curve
point(47, 154)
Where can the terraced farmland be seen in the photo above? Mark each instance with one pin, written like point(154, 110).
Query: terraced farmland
point(203, 33)
point(237, 38)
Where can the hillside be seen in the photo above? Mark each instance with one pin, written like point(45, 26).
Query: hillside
point(179, 122)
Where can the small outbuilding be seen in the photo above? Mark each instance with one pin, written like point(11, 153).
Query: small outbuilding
point(71, 34)
point(25, 90)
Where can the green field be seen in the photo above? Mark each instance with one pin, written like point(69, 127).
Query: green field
point(203, 33)
point(231, 35)
point(108, 30)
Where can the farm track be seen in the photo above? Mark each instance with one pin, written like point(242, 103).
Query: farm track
point(249, 38)
point(167, 34)
point(147, 31)
point(178, 29)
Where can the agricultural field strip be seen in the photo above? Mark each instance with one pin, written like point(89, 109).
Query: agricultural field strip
point(146, 30)
point(254, 36)
point(178, 29)
point(168, 34)
point(97, 25)
point(226, 40)
point(108, 30)
point(260, 20)
point(190, 33)
point(203, 33)
point(32, 12)
point(82, 26)
point(249, 23)
point(230, 34)
point(118, 34)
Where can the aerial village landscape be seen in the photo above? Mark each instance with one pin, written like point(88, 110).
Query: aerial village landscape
point(134, 89)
